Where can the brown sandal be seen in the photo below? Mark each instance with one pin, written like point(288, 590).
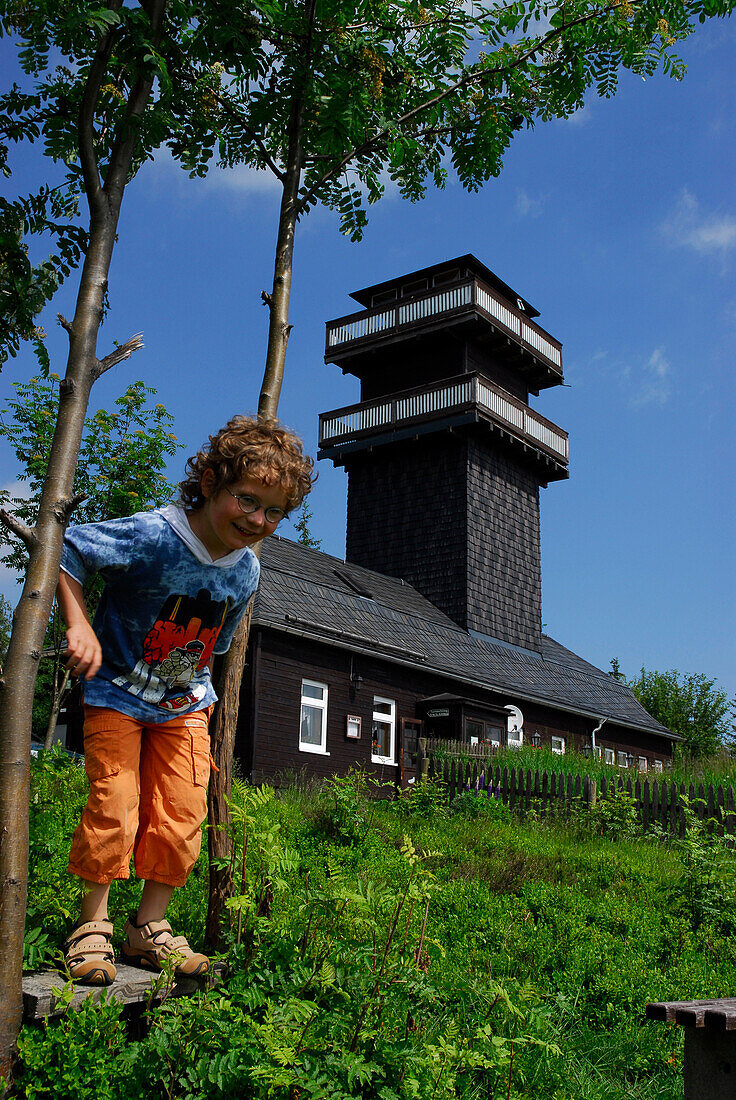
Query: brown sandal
point(89, 954)
point(150, 945)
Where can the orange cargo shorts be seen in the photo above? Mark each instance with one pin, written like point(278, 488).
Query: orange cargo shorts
point(147, 798)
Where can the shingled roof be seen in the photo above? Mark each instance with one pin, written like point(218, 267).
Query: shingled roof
point(307, 593)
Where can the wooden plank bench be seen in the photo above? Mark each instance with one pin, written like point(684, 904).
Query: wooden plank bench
point(42, 990)
point(710, 1044)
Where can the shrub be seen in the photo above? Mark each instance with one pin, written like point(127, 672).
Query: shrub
point(616, 816)
point(58, 791)
point(479, 804)
point(706, 891)
point(424, 799)
point(75, 1058)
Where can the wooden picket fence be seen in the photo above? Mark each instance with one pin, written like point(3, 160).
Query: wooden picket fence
point(556, 794)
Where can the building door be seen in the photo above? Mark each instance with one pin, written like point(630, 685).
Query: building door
point(411, 731)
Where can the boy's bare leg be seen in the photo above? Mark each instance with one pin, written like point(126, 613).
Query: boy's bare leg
point(94, 901)
point(154, 899)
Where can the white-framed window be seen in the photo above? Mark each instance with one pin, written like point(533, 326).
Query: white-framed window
point(313, 718)
point(622, 759)
point(643, 764)
point(610, 756)
point(383, 731)
point(658, 765)
point(598, 752)
point(558, 746)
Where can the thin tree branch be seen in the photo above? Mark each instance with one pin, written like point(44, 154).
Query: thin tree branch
point(85, 124)
point(118, 355)
point(64, 508)
point(67, 325)
point(233, 113)
point(119, 165)
point(410, 27)
point(258, 141)
point(375, 143)
point(26, 535)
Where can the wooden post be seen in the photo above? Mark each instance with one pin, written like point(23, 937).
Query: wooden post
point(590, 792)
point(721, 814)
point(710, 1065)
point(423, 760)
point(711, 810)
point(728, 824)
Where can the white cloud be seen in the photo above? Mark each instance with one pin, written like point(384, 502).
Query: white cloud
point(239, 180)
point(9, 587)
point(19, 488)
point(526, 206)
point(688, 227)
point(244, 178)
point(581, 117)
point(651, 383)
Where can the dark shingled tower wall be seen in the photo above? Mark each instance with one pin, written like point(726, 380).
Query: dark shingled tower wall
point(407, 510)
point(504, 580)
point(458, 522)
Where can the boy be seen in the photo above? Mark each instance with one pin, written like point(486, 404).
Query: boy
point(178, 580)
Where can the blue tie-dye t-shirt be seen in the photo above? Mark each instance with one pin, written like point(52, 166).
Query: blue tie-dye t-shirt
point(162, 615)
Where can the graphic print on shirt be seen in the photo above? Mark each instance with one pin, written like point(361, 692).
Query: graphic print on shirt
point(176, 651)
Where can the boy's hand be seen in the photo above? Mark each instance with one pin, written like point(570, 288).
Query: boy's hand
point(83, 648)
point(84, 651)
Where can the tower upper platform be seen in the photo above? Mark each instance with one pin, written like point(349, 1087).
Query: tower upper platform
point(457, 300)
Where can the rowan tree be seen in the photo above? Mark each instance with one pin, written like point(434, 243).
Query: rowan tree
point(97, 93)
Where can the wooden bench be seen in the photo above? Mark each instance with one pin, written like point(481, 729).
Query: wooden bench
point(133, 986)
point(710, 1044)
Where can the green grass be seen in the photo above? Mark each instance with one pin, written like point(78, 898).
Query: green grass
point(543, 943)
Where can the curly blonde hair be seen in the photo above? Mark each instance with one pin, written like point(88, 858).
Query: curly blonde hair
point(251, 446)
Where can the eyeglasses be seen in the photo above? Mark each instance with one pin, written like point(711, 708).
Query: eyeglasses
point(248, 505)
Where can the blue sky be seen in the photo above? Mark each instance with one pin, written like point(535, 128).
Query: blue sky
point(619, 225)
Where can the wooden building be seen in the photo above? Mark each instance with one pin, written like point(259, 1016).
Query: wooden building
point(433, 622)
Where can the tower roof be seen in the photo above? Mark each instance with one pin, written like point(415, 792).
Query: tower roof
point(457, 267)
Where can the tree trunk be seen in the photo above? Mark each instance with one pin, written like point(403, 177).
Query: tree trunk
point(31, 620)
point(44, 543)
point(60, 691)
point(222, 737)
point(226, 718)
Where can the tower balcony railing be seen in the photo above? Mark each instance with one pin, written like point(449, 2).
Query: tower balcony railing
point(466, 393)
point(470, 296)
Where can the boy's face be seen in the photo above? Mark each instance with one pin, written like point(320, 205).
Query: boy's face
point(223, 526)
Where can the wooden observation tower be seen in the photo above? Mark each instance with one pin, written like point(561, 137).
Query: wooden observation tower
point(444, 455)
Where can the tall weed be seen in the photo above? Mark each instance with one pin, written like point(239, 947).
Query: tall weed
point(705, 893)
